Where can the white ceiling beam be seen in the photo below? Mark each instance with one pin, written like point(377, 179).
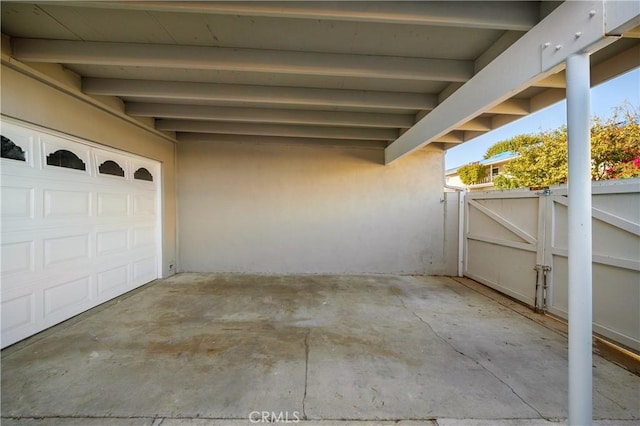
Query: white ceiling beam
point(556, 81)
point(455, 136)
point(601, 72)
point(616, 65)
point(264, 115)
point(546, 98)
point(321, 132)
point(445, 145)
point(186, 91)
point(421, 114)
point(511, 107)
point(283, 140)
point(620, 17)
point(499, 46)
point(495, 122)
point(249, 60)
point(448, 91)
point(479, 124)
point(517, 16)
point(572, 27)
point(503, 119)
point(469, 135)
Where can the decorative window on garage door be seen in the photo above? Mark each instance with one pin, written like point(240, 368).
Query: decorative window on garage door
point(143, 174)
point(11, 150)
point(67, 159)
point(110, 167)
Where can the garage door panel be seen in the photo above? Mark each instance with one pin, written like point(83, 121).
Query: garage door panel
point(66, 249)
point(18, 257)
point(116, 259)
point(72, 239)
point(113, 204)
point(144, 270)
point(17, 202)
point(18, 312)
point(113, 280)
point(143, 236)
point(66, 295)
point(144, 205)
point(112, 242)
point(66, 203)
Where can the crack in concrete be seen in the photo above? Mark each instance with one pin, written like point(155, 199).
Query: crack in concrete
point(306, 373)
point(405, 306)
point(609, 399)
point(448, 343)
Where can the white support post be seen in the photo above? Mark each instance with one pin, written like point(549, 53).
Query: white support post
point(580, 249)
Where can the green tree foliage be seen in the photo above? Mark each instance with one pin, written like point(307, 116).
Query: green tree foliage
point(512, 145)
point(472, 173)
point(541, 164)
point(615, 153)
point(502, 181)
point(615, 145)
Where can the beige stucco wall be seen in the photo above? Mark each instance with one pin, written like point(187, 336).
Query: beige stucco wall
point(263, 208)
point(306, 209)
point(26, 98)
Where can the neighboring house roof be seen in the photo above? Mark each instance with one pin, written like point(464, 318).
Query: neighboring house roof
point(498, 158)
point(451, 171)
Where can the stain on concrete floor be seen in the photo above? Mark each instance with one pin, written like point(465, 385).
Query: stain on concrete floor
point(219, 346)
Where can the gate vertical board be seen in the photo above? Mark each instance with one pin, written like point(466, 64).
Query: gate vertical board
point(516, 241)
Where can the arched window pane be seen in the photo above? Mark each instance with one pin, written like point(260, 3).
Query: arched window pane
point(143, 174)
point(110, 167)
point(11, 150)
point(64, 158)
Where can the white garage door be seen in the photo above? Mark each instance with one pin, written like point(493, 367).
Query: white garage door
point(79, 227)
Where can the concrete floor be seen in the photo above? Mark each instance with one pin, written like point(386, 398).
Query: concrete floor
point(199, 349)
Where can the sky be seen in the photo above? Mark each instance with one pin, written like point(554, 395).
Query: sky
point(604, 98)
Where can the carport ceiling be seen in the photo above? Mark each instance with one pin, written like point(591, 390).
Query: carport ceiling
point(339, 73)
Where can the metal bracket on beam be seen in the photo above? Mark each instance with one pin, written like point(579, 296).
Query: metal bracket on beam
point(569, 37)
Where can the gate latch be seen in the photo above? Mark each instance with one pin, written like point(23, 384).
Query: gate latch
point(541, 280)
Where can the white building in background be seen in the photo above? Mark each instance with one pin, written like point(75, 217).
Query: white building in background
point(495, 166)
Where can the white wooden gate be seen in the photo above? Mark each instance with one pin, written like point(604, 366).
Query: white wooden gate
point(516, 243)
